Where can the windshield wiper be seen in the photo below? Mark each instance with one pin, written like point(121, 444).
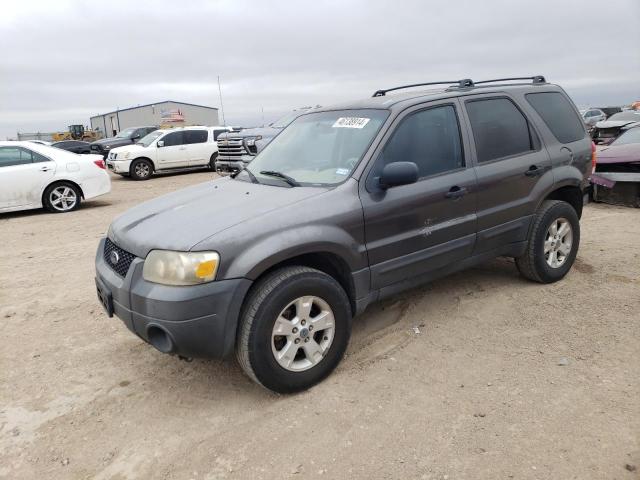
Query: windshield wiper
point(252, 177)
point(272, 173)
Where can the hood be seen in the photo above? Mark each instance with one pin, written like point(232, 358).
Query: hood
point(619, 153)
point(614, 123)
point(112, 142)
point(180, 220)
point(265, 132)
point(128, 148)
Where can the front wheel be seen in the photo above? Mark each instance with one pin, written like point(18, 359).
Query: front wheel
point(141, 169)
point(553, 243)
point(294, 329)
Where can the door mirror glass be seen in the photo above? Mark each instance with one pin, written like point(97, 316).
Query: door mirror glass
point(160, 143)
point(398, 173)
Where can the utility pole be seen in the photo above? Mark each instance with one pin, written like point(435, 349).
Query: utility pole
point(224, 123)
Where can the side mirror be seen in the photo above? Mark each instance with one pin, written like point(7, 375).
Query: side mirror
point(398, 173)
point(160, 143)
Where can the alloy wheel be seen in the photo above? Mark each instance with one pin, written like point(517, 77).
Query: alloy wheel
point(558, 242)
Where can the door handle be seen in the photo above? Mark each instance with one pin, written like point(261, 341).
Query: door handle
point(533, 171)
point(456, 192)
point(44, 169)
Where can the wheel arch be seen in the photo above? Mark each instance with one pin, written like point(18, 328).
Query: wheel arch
point(570, 193)
point(153, 165)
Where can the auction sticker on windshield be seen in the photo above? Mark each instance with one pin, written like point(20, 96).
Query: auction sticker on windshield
point(350, 122)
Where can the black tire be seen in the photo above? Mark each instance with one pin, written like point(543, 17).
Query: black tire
point(533, 263)
point(265, 302)
point(141, 169)
point(212, 162)
point(49, 203)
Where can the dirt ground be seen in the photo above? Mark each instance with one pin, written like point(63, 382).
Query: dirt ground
point(481, 375)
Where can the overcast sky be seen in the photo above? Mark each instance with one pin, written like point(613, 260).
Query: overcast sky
point(64, 61)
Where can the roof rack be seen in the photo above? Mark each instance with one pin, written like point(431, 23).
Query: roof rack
point(464, 83)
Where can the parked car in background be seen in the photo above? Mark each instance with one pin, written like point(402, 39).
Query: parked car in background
point(125, 137)
point(608, 111)
point(164, 150)
point(40, 142)
point(35, 176)
point(75, 146)
point(608, 130)
point(592, 116)
point(346, 206)
point(237, 149)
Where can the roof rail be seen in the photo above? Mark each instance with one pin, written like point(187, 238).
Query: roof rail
point(464, 83)
point(534, 79)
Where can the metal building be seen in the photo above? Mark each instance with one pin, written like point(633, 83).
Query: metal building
point(161, 113)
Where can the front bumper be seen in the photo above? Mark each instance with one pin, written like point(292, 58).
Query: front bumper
point(226, 167)
point(196, 321)
point(119, 166)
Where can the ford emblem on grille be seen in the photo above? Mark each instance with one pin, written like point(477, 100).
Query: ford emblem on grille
point(114, 258)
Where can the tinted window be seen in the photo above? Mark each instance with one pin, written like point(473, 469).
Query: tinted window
point(14, 156)
point(195, 136)
point(499, 129)
point(37, 158)
point(429, 138)
point(174, 138)
point(216, 133)
point(559, 115)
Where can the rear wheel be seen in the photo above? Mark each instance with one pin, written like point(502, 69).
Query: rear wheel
point(553, 243)
point(61, 197)
point(294, 329)
point(141, 169)
point(212, 162)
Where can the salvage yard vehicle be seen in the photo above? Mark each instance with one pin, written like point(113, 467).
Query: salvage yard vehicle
point(75, 146)
point(608, 130)
point(125, 137)
point(346, 206)
point(237, 149)
point(35, 176)
point(592, 116)
point(167, 150)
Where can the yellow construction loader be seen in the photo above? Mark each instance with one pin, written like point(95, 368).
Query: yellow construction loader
point(77, 132)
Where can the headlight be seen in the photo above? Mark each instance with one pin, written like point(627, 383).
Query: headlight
point(180, 268)
point(251, 141)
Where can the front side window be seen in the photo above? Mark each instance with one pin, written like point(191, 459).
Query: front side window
point(195, 136)
point(559, 115)
point(318, 149)
point(499, 129)
point(429, 138)
point(10, 156)
point(173, 139)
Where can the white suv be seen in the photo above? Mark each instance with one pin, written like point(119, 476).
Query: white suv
point(178, 148)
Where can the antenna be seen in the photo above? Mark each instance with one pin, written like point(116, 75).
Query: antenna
point(224, 123)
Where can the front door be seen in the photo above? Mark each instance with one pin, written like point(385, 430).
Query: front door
point(23, 175)
point(413, 230)
point(512, 167)
point(173, 153)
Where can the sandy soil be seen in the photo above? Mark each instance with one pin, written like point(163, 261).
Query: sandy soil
point(481, 375)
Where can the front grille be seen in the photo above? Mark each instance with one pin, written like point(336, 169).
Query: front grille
point(232, 147)
point(112, 252)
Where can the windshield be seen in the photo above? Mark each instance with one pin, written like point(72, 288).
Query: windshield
point(148, 139)
point(282, 122)
point(631, 115)
point(630, 136)
point(318, 148)
point(126, 133)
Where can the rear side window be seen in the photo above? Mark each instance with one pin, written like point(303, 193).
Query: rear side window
point(430, 139)
point(216, 133)
point(559, 115)
point(172, 139)
point(499, 129)
point(195, 136)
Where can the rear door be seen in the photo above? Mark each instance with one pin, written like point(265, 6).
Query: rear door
point(173, 153)
point(415, 229)
point(512, 169)
point(23, 175)
point(199, 146)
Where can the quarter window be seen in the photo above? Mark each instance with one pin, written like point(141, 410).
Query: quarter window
point(559, 115)
point(195, 136)
point(499, 129)
point(430, 139)
point(173, 139)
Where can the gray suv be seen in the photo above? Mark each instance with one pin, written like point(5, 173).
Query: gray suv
point(346, 206)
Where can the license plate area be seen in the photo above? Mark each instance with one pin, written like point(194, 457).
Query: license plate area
point(104, 297)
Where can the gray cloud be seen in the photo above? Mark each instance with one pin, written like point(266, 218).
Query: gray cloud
point(64, 61)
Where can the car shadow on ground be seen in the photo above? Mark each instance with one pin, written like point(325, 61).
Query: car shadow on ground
point(120, 178)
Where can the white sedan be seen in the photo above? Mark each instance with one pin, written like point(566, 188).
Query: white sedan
point(35, 176)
